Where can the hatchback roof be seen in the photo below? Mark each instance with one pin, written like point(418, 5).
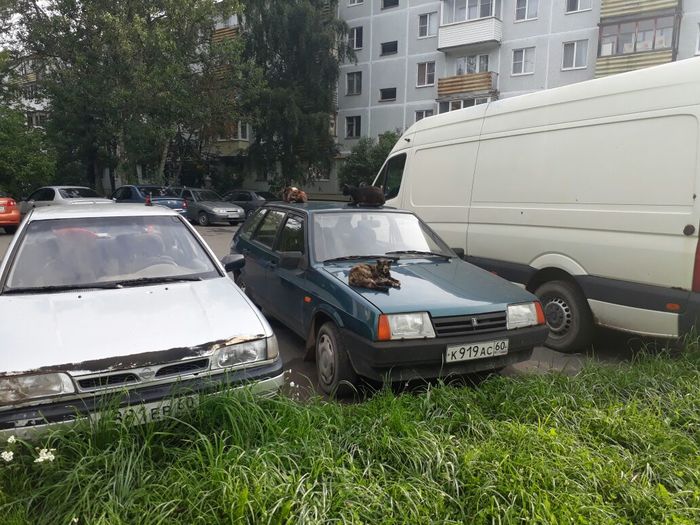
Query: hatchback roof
point(329, 206)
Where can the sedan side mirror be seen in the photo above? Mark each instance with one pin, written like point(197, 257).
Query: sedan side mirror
point(290, 260)
point(233, 262)
point(459, 252)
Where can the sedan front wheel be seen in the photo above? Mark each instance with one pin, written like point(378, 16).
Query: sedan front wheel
point(203, 219)
point(336, 376)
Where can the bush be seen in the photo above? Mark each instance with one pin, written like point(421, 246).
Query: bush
point(367, 158)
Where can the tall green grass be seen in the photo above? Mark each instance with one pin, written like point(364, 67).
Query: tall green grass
point(614, 445)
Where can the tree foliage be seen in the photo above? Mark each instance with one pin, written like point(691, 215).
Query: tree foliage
point(298, 45)
point(25, 159)
point(366, 159)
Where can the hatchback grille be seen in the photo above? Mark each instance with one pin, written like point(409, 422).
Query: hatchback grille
point(469, 324)
point(94, 383)
point(181, 368)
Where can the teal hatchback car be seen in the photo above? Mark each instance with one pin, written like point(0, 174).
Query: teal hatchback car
point(447, 318)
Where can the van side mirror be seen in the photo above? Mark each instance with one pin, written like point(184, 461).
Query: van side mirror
point(233, 262)
point(290, 260)
point(459, 252)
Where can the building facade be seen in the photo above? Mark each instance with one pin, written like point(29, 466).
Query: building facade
point(417, 58)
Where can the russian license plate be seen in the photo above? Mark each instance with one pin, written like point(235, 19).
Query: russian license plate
point(156, 411)
point(470, 351)
point(232, 215)
point(2, 209)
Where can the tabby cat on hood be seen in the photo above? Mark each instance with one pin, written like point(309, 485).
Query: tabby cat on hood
point(373, 276)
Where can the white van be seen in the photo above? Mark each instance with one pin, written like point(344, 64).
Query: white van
point(584, 194)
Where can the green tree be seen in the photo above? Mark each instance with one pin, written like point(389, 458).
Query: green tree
point(298, 45)
point(25, 159)
point(124, 77)
point(366, 158)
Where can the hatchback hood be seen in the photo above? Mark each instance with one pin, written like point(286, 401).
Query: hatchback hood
point(94, 331)
point(443, 288)
point(221, 204)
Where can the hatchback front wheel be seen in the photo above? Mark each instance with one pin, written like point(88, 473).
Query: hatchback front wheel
point(336, 375)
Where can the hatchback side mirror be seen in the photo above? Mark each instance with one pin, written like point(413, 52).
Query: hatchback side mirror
point(459, 252)
point(233, 262)
point(290, 260)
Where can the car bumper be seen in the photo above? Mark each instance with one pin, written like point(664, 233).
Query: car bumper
point(151, 403)
point(425, 359)
point(225, 217)
point(10, 219)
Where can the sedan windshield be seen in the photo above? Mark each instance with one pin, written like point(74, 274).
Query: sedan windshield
point(358, 233)
point(207, 195)
point(105, 252)
point(77, 193)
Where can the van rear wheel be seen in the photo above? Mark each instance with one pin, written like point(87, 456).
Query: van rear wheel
point(569, 318)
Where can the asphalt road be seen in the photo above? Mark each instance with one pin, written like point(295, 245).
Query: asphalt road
point(301, 375)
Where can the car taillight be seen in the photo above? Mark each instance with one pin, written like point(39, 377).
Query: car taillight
point(184, 204)
point(696, 269)
point(148, 200)
point(11, 203)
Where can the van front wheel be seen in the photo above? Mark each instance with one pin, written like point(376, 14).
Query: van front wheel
point(568, 316)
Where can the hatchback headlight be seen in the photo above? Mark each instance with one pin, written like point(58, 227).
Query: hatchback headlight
point(524, 315)
point(16, 389)
point(405, 326)
point(248, 352)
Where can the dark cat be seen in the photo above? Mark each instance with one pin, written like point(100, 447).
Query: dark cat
point(373, 276)
point(365, 195)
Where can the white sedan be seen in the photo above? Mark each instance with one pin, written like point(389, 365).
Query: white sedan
point(121, 299)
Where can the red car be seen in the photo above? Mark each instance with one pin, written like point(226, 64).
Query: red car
point(9, 213)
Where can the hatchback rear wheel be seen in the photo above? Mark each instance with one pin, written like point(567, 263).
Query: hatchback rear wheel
point(336, 376)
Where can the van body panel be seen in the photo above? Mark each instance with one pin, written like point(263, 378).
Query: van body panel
point(636, 320)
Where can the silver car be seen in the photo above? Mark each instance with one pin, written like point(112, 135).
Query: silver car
point(55, 195)
point(99, 300)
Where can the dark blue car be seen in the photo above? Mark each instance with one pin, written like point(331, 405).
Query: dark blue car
point(155, 195)
point(447, 318)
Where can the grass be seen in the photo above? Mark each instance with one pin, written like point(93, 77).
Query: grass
point(614, 445)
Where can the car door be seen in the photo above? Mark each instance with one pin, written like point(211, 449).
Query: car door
point(260, 257)
point(41, 197)
point(242, 199)
point(192, 210)
point(287, 284)
point(123, 194)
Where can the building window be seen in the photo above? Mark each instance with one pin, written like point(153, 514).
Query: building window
point(461, 10)
point(234, 131)
point(231, 21)
point(427, 25)
point(575, 55)
point(423, 113)
point(526, 9)
point(390, 48)
point(387, 94)
point(573, 6)
point(37, 119)
point(524, 61)
point(426, 74)
point(472, 64)
point(354, 85)
point(355, 2)
point(353, 127)
point(386, 4)
point(454, 105)
point(355, 37)
point(636, 37)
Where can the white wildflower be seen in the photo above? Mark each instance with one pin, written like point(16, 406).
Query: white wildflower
point(74, 520)
point(11, 439)
point(292, 384)
point(45, 455)
point(8, 455)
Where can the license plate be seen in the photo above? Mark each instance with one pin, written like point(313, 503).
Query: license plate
point(156, 411)
point(2, 209)
point(232, 215)
point(470, 351)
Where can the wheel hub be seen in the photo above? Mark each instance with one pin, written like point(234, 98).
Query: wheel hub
point(558, 314)
point(326, 359)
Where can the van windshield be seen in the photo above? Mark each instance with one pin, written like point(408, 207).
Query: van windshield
point(391, 176)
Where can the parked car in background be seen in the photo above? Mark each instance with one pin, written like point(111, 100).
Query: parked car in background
point(206, 206)
point(59, 195)
point(250, 200)
point(9, 213)
point(155, 195)
point(111, 300)
point(447, 318)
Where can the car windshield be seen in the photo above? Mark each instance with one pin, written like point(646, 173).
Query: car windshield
point(157, 191)
point(77, 193)
point(207, 195)
point(104, 251)
point(358, 233)
point(267, 195)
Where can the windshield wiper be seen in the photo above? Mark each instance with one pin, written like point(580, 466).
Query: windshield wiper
point(419, 252)
point(156, 280)
point(60, 288)
point(358, 257)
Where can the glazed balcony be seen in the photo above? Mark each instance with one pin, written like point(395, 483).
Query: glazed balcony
point(470, 83)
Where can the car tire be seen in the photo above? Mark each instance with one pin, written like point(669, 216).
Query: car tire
point(249, 212)
point(203, 219)
point(336, 376)
point(10, 230)
point(568, 316)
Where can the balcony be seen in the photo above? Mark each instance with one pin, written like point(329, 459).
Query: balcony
point(471, 83)
point(611, 65)
point(468, 32)
point(614, 8)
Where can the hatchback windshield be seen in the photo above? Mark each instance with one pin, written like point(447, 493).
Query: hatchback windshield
point(349, 234)
point(107, 252)
point(157, 191)
point(207, 195)
point(77, 193)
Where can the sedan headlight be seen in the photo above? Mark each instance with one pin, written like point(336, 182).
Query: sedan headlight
point(220, 211)
point(524, 315)
point(248, 352)
point(16, 389)
point(405, 326)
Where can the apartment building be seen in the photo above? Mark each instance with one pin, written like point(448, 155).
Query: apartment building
point(416, 58)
